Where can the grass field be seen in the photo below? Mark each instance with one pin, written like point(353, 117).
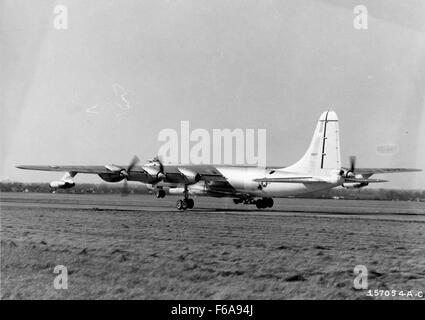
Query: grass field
point(139, 253)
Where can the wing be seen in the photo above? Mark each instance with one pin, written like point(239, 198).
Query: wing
point(370, 171)
point(365, 180)
point(215, 183)
point(76, 169)
point(219, 186)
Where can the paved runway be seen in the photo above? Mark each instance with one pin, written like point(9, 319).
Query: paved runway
point(403, 210)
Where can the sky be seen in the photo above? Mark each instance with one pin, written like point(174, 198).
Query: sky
point(100, 91)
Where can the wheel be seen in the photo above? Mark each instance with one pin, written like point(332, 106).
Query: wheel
point(181, 205)
point(189, 203)
point(269, 202)
point(260, 204)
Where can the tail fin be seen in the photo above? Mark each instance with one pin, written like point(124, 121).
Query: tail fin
point(323, 152)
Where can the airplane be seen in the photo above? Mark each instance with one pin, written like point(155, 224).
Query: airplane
point(319, 169)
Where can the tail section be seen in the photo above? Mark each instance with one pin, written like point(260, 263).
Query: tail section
point(324, 150)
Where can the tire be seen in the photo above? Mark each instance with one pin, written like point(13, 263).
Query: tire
point(181, 205)
point(269, 202)
point(260, 204)
point(190, 203)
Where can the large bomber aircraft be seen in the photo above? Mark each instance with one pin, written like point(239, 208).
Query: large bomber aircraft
point(319, 169)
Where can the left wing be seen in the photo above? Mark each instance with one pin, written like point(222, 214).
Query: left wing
point(216, 184)
point(76, 169)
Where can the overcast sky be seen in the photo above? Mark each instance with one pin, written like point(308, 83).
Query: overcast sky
point(219, 64)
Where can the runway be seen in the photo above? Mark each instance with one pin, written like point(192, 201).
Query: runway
point(286, 206)
point(140, 247)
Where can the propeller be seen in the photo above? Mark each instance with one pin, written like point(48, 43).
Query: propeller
point(350, 172)
point(125, 173)
point(160, 174)
point(133, 163)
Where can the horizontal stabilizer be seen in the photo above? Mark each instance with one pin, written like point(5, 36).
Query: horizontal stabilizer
point(289, 180)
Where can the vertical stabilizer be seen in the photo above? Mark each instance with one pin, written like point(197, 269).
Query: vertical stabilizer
point(324, 150)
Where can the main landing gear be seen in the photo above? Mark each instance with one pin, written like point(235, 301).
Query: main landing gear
point(185, 203)
point(259, 203)
point(264, 203)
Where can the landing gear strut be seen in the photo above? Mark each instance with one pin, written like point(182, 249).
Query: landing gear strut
point(186, 203)
point(160, 193)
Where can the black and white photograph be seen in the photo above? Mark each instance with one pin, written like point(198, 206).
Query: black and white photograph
point(221, 151)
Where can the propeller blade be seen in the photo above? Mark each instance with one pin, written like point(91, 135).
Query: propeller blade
point(125, 189)
point(352, 163)
point(161, 166)
point(133, 163)
point(161, 174)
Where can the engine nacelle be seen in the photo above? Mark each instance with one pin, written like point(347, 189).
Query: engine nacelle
point(355, 185)
point(155, 173)
point(196, 189)
point(151, 170)
point(176, 191)
point(111, 177)
point(62, 184)
point(190, 176)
